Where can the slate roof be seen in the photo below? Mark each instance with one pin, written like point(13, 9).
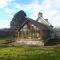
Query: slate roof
point(37, 24)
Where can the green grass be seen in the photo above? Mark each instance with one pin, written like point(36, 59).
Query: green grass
point(8, 52)
point(28, 53)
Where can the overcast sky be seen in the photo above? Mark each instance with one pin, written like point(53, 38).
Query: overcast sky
point(49, 8)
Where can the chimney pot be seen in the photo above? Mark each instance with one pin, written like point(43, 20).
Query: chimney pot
point(40, 14)
point(46, 20)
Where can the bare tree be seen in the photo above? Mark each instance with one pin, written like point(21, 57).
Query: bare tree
point(18, 20)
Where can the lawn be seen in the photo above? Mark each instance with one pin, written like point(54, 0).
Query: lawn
point(8, 52)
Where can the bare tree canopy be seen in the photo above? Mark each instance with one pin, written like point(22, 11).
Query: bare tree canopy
point(18, 19)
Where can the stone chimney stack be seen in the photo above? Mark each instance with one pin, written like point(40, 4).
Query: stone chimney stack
point(40, 14)
point(46, 20)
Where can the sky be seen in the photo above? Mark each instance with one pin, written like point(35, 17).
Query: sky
point(49, 8)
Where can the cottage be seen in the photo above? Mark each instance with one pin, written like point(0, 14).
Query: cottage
point(34, 32)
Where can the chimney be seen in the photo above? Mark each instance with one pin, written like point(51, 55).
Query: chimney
point(40, 14)
point(46, 20)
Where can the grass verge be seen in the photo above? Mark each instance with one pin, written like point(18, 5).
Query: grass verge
point(29, 53)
